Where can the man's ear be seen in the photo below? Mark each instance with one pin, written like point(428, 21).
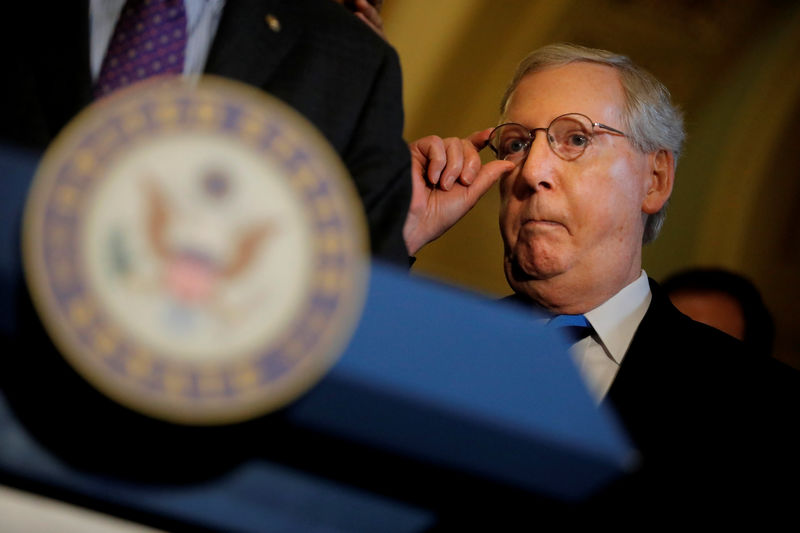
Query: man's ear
point(659, 182)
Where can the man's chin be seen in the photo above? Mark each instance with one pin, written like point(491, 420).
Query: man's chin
point(515, 273)
point(522, 272)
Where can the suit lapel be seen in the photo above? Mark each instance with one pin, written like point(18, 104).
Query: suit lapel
point(644, 352)
point(644, 386)
point(629, 378)
point(246, 47)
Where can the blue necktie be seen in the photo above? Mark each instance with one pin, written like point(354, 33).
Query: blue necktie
point(574, 327)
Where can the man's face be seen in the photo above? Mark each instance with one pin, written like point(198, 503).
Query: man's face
point(573, 229)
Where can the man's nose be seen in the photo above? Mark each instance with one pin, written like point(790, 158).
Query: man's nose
point(537, 169)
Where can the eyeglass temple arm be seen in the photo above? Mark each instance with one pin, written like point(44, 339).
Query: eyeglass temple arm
point(609, 128)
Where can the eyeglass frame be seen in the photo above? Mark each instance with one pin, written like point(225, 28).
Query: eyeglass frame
point(532, 134)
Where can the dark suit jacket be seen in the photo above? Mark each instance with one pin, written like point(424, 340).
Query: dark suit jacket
point(324, 62)
point(713, 423)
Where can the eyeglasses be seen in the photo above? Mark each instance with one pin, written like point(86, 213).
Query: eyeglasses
point(568, 136)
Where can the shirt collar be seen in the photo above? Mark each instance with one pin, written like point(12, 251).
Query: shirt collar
point(616, 320)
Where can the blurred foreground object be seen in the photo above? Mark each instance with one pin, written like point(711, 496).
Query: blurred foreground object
point(196, 252)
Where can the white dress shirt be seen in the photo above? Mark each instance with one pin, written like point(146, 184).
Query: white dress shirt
point(202, 19)
point(598, 357)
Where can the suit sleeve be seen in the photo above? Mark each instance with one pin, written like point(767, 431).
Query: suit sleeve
point(379, 160)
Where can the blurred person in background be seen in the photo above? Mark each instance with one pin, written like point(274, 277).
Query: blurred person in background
point(724, 300)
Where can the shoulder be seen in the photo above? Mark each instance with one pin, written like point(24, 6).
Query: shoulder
point(670, 350)
point(666, 337)
point(328, 24)
point(665, 325)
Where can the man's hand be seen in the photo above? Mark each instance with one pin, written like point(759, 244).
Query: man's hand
point(369, 11)
point(447, 181)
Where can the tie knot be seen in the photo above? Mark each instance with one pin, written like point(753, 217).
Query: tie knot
point(575, 327)
point(560, 321)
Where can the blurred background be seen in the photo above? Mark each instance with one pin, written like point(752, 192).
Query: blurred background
point(732, 66)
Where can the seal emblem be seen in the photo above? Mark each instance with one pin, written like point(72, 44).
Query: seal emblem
point(196, 251)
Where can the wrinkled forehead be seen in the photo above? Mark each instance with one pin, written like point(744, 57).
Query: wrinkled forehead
point(592, 89)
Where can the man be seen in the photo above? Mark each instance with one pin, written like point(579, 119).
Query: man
point(313, 54)
point(588, 147)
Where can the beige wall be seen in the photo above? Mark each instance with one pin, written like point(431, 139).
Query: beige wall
point(731, 66)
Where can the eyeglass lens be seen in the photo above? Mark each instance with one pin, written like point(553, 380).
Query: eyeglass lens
point(568, 136)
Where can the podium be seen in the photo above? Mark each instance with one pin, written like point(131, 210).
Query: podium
point(444, 403)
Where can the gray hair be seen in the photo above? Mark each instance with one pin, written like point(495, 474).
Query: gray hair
point(649, 118)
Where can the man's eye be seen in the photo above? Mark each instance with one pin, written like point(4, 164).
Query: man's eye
point(515, 146)
point(577, 140)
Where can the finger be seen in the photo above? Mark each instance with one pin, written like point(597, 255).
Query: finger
point(370, 12)
point(455, 162)
point(472, 162)
point(487, 176)
point(370, 16)
point(480, 139)
point(428, 154)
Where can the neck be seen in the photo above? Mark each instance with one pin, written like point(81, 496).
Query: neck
point(569, 294)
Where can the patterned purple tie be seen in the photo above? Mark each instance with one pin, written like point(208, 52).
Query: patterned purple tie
point(149, 39)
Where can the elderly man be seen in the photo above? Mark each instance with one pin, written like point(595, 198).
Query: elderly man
point(587, 149)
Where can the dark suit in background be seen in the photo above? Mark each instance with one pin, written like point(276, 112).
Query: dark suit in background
point(322, 61)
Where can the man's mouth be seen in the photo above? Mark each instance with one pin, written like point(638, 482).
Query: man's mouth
point(541, 223)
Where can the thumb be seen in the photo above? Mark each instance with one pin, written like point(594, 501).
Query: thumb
point(480, 138)
point(488, 175)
